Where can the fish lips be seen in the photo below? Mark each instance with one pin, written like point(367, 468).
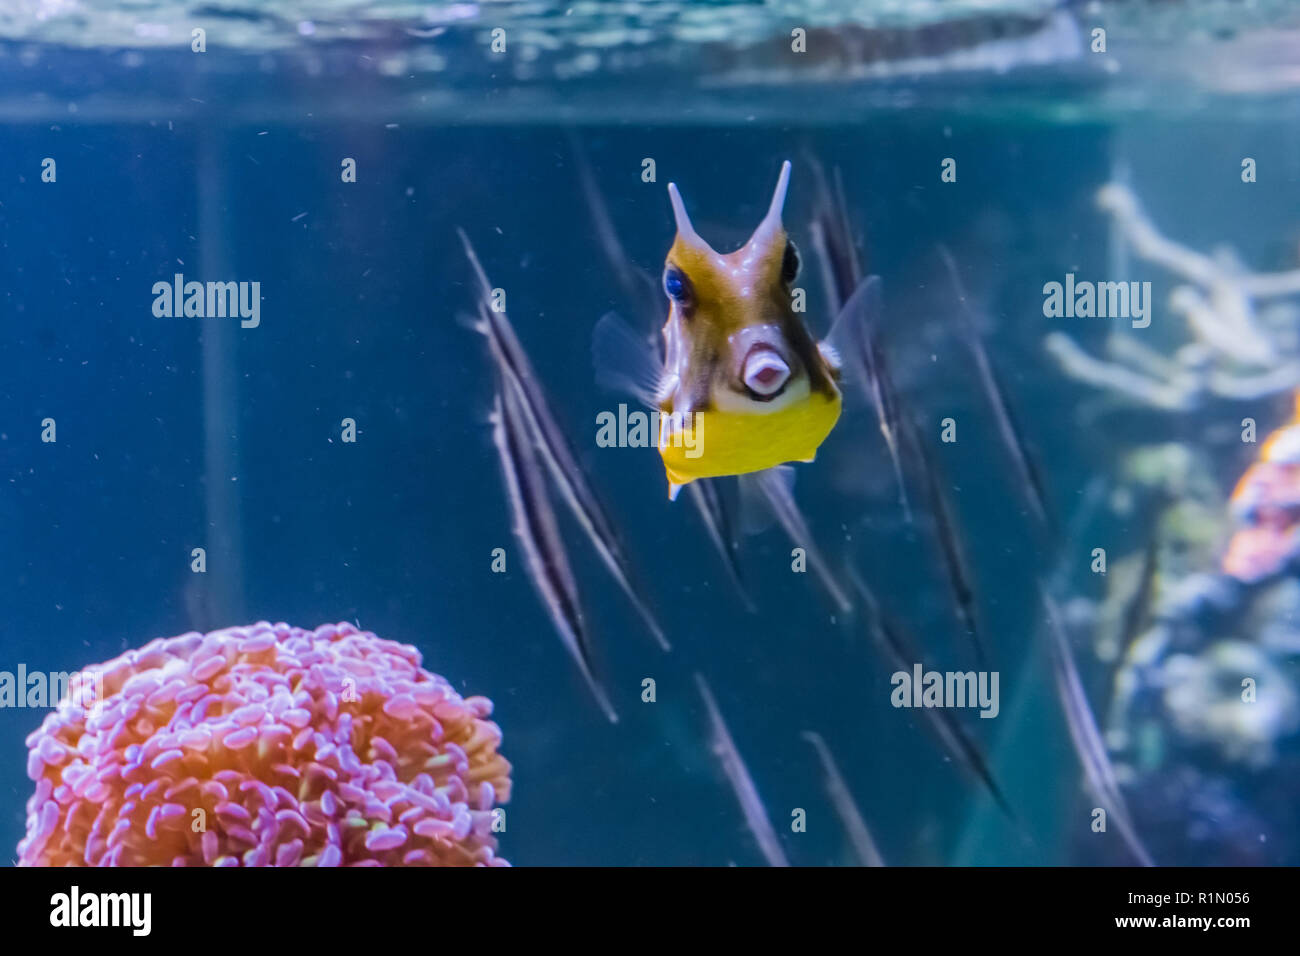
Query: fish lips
point(765, 366)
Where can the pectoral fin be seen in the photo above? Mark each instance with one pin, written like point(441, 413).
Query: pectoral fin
point(850, 340)
point(625, 361)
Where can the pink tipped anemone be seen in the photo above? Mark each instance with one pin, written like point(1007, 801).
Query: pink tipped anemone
point(267, 746)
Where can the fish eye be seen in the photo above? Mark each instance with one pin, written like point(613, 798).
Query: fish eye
point(676, 285)
point(789, 263)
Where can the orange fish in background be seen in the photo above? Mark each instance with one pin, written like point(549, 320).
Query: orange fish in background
point(1266, 506)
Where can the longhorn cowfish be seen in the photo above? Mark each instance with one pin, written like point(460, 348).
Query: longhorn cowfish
point(742, 386)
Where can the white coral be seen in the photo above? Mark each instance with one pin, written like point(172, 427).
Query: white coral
point(1240, 345)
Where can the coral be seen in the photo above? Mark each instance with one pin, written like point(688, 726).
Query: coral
point(267, 746)
point(1242, 339)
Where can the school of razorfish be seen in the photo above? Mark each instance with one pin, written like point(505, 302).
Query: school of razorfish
point(745, 394)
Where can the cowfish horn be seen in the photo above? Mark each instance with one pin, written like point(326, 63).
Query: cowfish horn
point(685, 231)
point(771, 224)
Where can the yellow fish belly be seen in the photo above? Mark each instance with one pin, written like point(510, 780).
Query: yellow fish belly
point(735, 443)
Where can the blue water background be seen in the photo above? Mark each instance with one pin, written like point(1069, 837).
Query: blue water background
point(359, 319)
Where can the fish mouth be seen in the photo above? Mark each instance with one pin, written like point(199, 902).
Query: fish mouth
point(764, 372)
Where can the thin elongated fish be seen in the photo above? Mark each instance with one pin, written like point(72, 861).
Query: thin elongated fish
point(872, 370)
point(555, 450)
point(744, 387)
point(1137, 609)
point(539, 536)
point(952, 737)
point(707, 498)
point(857, 342)
point(636, 284)
point(733, 765)
point(776, 486)
point(832, 237)
point(945, 529)
point(859, 836)
point(1098, 770)
point(1031, 482)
